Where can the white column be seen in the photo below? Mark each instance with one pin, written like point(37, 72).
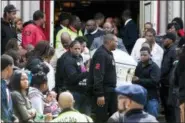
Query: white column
point(26, 11)
point(35, 5)
point(13, 2)
point(183, 16)
point(154, 14)
point(3, 4)
point(18, 6)
point(170, 11)
point(163, 17)
point(176, 8)
point(141, 17)
point(51, 22)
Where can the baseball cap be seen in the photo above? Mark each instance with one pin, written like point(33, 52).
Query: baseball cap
point(135, 92)
point(170, 35)
point(10, 8)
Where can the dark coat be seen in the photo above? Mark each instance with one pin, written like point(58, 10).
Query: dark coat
point(73, 77)
point(180, 77)
point(149, 77)
point(167, 65)
point(8, 31)
point(102, 74)
point(129, 34)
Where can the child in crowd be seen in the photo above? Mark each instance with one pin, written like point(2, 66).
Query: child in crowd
point(51, 105)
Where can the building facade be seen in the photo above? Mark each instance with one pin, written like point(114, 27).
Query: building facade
point(160, 13)
point(27, 8)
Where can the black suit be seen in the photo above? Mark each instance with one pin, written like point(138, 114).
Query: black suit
point(129, 34)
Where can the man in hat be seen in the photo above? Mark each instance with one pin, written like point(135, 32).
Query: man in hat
point(63, 23)
point(8, 30)
point(131, 101)
point(166, 68)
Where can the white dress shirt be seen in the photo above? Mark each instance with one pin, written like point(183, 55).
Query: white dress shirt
point(157, 52)
point(50, 76)
point(127, 21)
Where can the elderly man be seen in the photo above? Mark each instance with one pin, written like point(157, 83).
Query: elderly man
point(65, 41)
point(108, 28)
point(69, 114)
point(131, 101)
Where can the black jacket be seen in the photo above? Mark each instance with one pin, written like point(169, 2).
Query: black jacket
point(91, 37)
point(71, 72)
point(167, 64)
point(129, 34)
point(8, 31)
point(173, 93)
point(102, 76)
point(149, 77)
point(60, 69)
point(179, 80)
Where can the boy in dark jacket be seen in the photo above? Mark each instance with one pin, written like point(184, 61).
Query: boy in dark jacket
point(147, 74)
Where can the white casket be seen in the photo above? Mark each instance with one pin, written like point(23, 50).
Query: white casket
point(125, 66)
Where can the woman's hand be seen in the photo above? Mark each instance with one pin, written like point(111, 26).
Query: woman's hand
point(33, 113)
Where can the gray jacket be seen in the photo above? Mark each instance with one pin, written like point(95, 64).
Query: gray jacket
point(138, 116)
point(37, 99)
point(97, 42)
point(116, 118)
point(22, 106)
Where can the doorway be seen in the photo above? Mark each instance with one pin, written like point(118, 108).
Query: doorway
point(86, 9)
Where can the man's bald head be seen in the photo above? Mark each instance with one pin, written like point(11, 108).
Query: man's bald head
point(65, 35)
point(66, 100)
point(110, 41)
point(65, 39)
point(91, 26)
point(108, 27)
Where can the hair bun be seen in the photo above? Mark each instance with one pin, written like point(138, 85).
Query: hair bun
point(40, 67)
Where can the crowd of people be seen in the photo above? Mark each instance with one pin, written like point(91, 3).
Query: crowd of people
point(65, 83)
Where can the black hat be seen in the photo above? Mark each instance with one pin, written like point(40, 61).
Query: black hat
point(170, 35)
point(64, 16)
point(10, 8)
